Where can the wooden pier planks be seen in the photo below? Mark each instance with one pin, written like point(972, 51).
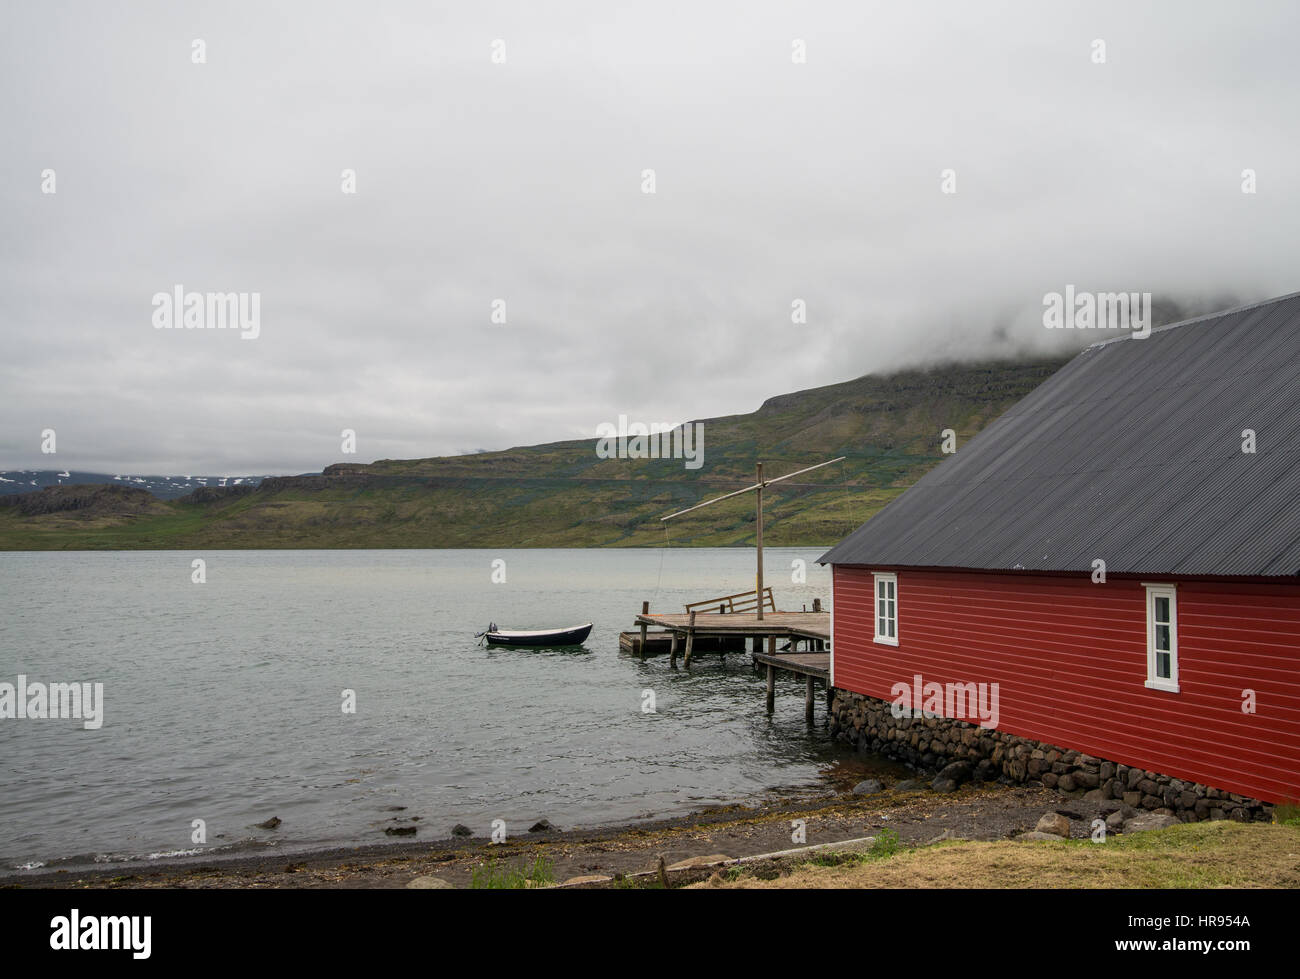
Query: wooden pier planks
point(802, 625)
point(812, 666)
point(815, 665)
point(814, 628)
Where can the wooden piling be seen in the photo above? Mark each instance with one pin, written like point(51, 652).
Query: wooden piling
point(690, 640)
point(771, 688)
point(645, 610)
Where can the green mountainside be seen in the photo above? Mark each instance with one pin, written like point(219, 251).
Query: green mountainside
point(562, 494)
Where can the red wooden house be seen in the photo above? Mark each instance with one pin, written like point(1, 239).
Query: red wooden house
point(1119, 553)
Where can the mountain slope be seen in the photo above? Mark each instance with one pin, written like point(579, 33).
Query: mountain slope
point(563, 495)
point(14, 481)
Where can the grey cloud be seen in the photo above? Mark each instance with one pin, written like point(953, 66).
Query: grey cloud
point(521, 182)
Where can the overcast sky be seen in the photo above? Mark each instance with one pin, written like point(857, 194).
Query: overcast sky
point(522, 181)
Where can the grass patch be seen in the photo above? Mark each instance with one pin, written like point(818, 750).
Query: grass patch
point(1287, 813)
point(1192, 855)
point(494, 876)
point(885, 845)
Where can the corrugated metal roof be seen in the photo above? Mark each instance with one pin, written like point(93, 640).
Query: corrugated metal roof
point(1131, 453)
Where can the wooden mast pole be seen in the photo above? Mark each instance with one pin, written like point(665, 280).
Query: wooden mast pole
point(758, 486)
point(758, 577)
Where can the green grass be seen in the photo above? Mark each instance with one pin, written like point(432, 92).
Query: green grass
point(1210, 854)
point(496, 876)
point(885, 845)
point(1287, 813)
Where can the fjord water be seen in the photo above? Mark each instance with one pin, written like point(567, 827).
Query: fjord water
point(223, 700)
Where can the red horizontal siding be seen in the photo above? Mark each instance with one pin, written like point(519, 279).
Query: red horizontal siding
point(1070, 659)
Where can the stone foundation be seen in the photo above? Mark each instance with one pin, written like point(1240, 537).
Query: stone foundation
point(959, 751)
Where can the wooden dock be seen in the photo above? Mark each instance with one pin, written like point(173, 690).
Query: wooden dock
point(811, 666)
point(811, 627)
point(659, 642)
point(687, 633)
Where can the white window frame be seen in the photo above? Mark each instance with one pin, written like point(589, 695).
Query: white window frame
point(1170, 591)
point(877, 577)
point(830, 644)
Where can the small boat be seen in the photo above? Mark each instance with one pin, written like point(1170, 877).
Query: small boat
point(572, 636)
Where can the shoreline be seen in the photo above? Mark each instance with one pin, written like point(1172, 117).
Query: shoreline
point(990, 812)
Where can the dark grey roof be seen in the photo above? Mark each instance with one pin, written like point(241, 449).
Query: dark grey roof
point(1132, 453)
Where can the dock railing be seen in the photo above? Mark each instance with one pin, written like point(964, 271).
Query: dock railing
point(745, 601)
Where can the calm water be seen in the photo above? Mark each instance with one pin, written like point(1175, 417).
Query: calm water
point(223, 700)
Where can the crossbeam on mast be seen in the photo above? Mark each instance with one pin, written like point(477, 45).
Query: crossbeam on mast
point(766, 482)
point(758, 529)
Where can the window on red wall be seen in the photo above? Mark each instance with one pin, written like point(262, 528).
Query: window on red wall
point(1162, 637)
point(886, 588)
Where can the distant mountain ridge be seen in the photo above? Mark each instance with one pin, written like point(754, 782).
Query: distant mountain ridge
point(565, 494)
point(163, 487)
